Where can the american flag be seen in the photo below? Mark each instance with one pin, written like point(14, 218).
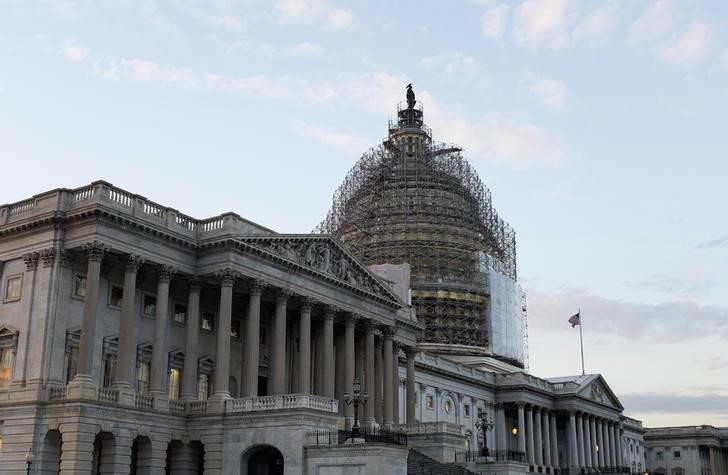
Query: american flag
point(575, 320)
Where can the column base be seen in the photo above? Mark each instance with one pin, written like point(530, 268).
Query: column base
point(83, 386)
point(369, 424)
point(216, 402)
point(127, 395)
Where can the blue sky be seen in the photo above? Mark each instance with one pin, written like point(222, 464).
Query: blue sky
point(598, 126)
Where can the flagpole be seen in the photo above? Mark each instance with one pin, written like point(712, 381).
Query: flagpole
point(581, 342)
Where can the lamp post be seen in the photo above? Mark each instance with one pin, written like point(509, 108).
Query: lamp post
point(29, 460)
point(485, 425)
point(356, 399)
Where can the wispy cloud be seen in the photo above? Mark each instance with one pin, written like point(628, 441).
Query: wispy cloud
point(550, 92)
point(691, 45)
point(495, 20)
point(325, 13)
point(73, 51)
point(716, 363)
point(544, 22)
point(450, 63)
point(690, 285)
point(331, 138)
point(718, 242)
point(656, 21)
point(597, 26)
point(674, 403)
point(672, 321)
point(305, 49)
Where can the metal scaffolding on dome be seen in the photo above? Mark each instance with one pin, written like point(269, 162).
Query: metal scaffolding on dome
point(413, 201)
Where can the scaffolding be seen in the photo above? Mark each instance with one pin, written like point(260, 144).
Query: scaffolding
point(411, 200)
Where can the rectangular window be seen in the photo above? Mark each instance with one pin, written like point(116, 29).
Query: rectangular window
point(79, 286)
point(430, 402)
point(149, 305)
point(202, 387)
point(71, 363)
point(180, 313)
point(13, 288)
point(676, 454)
point(174, 379)
point(143, 377)
point(417, 398)
point(207, 322)
point(466, 409)
point(659, 455)
point(116, 295)
point(6, 367)
point(109, 369)
point(235, 329)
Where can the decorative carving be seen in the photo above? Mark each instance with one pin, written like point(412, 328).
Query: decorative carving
point(66, 258)
point(227, 276)
point(369, 325)
point(322, 256)
point(195, 283)
point(388, 331)
point(48, 256)
point(282, 296)
point(330, 312)
point(133, 263)
point(31, 260)
point(306, 304)
point(95, 250)
point(597, 392)
point(409, 351)
point(256, 287)
point(165, 272)
point(350, 319)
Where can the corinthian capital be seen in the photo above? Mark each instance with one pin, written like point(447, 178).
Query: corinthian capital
point(227, 276)
point(165, 272)
point(31, 260)
point(256, 287)
point(48, 256)
point(95, 250)
point(133, 263)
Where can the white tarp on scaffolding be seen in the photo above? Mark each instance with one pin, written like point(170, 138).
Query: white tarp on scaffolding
point(506, 315)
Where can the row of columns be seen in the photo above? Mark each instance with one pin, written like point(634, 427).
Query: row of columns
point(594, 442)
point(124, 375)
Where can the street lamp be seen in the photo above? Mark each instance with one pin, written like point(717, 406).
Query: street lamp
point(29, 460)
point(356, 399)
point(485, 425)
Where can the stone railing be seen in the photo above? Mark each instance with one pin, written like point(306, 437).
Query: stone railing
point(143, 401)
point(282, 402)
point(198, 408)
point(57, 393)
point(101, 193)
point(110, 395)
point(177, 407)
point(430, 428)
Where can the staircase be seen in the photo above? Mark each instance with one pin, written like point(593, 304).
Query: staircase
point(420, 464)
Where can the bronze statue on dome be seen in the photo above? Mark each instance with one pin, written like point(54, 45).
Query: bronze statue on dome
point(410, 97)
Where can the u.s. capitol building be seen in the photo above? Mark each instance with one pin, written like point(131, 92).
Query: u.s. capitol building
point(137, 339)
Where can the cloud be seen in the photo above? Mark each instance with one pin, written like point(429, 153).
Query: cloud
point(712, 364)
point(691, 285)
point(674, 403)
point(544, 22)
point(330, 15)
point(551, 92)
point(74, 52)
point(654, 23)
point(691, 45)
point(494, 21)
point(672, 321)
point(450, 63)
point(228, 22)
point(723, 58)
point(305, 49)
point(596, 27)
point(330, 138)
point(721, 241)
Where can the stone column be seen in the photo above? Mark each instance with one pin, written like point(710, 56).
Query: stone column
point(388, 414)
point(222, 346)
point(605, 439)
point(587, 442)
point(580, 439)
point(328, 352)
point(573, 451)
point(160, 359)
point(529, 435)
point(192, 337)
point(554, 442)
point(318, 361)
point(369, 371)
point(377, 398)
point(277, 360)
point(350, 352)
point(83, 384)
point(252, 337)
point(620, 452)
point(304, 341)
point(593, 433)
point(123, 376)
point(612, 445)
point(600, 444)
point(410, 391)
point(537, 437)
point(546, 438)
point(396, 385)
point(500, 428)
point(521, 429)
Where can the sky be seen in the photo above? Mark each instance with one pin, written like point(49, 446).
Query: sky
point(599, 127)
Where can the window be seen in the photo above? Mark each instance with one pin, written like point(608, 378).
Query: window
point(430, 402)
point(417, 398)
point(180, 313)
point(73, 339)
point(676, 454)
point(79, 286)
point(659, 455)
point(149, 305)
point(174, 379)
point(208, 321)
point(263, 336)
point(466, 410)
point(116, 295)
point(203, 387)
point(481, 413)
point(143, 377)
point(235, 329)
point(13, 288)
point(109, 370)
point(6, 366)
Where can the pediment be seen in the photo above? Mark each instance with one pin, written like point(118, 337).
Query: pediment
point(323, 255)
point(597, 390)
